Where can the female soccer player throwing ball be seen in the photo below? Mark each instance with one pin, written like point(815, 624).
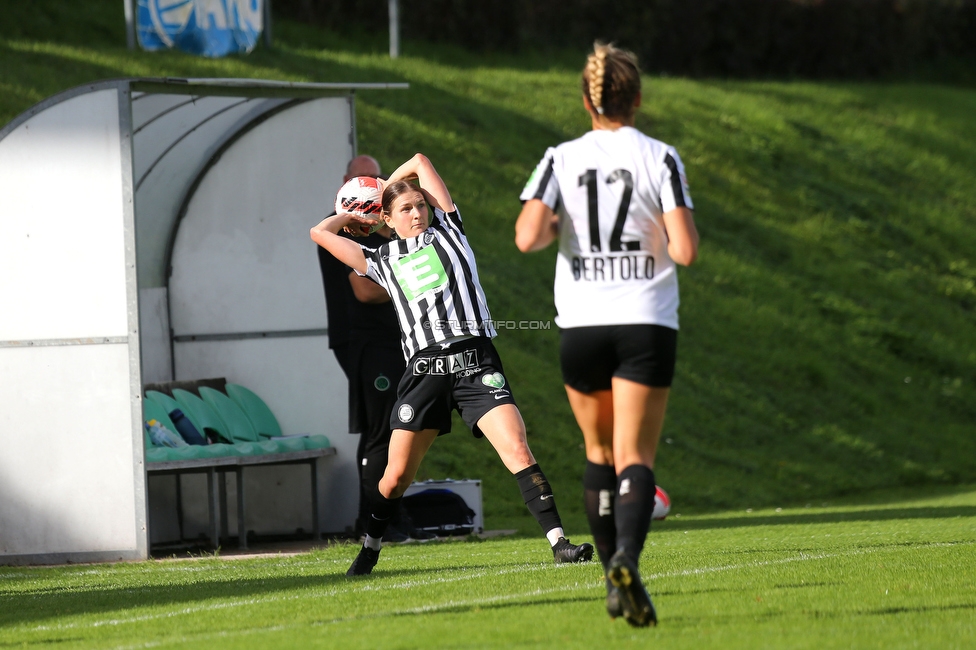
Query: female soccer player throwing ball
point(430, 273)
point(619, 204)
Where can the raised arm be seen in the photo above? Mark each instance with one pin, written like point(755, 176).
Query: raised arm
point(536, 226)
point(346, 251)
point(420, 167)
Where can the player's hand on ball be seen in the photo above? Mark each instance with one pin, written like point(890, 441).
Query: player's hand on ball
point(361, 198)
point(361, 226)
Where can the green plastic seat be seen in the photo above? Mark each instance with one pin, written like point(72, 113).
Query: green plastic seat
point(238, 425)
point(154, 409)
point(288, 443)
point(167, 403)
point(190, 452)
point(316, 441)
point(201, 415)
point(273, 446)
point(157, 454)
point(260, 416)
point(258, 448)
point(151, 410)
point(265, 422)
point(217, 450)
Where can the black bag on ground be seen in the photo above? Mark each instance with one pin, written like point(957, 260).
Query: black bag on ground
point(440, 511)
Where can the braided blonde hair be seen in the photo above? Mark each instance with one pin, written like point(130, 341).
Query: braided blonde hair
point(611, 80)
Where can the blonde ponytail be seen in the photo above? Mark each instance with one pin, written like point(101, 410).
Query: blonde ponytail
point(611, 80)
point(596, 66)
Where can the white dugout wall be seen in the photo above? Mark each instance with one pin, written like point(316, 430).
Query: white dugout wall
point(154, 230)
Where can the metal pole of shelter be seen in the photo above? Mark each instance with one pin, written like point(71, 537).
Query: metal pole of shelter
point(130, 24)
point(394, 29)
point(267, 23)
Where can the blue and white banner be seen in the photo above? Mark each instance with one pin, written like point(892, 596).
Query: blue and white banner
point(207, 27)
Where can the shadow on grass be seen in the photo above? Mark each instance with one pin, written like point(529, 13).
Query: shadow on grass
point(877, 514)
point(922, 609)
point(520, 603)
point(57, 602)
point(772, 617)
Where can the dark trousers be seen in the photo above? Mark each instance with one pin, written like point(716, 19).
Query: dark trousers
point(373, 371)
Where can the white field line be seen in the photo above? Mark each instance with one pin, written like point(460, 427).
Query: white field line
point(388, 587)
point(426, 609)
point(214, 565)
point(314, 593)
point(230, 564)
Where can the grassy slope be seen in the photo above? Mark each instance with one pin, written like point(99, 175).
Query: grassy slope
point(827, 341)
point(893, 575)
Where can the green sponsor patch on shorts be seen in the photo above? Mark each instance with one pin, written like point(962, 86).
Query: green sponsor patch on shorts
point(495, 380)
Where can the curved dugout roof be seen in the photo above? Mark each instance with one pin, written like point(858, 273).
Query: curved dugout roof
point(178, 128)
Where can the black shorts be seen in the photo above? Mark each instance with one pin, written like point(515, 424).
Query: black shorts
point(591, 356)
point(467, 376)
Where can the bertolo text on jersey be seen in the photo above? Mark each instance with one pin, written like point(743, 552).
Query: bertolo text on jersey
point(602, 268)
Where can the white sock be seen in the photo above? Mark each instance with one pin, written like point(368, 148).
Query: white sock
point(375, 543)
point(554, 535)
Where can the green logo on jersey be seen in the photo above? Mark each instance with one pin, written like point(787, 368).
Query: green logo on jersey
point(495, 380)
point(419, 272)
point(528, 183)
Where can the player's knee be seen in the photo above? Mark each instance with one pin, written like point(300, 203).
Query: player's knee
point(513, 448)
point(600, 454)
point(516, 459)
point(394, 483)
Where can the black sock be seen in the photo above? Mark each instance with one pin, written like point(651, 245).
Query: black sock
point(599, 490)
point(371, 469)
point(538, 497)
point(382, 512)
point(363, 514)
point(633, 509)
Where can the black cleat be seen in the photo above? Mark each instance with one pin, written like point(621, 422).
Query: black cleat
point(636, 605)
point(364, 562)
point(564, 552)
point(614, 609)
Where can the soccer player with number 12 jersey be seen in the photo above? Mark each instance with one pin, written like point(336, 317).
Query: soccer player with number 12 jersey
point(618, 202)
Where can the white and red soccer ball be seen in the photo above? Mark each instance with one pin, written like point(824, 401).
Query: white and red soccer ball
point(662, 504)
point(361, 196)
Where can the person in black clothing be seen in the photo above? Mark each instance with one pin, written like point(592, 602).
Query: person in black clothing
point(365, 337)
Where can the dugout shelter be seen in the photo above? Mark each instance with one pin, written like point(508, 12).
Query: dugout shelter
point(155, 230)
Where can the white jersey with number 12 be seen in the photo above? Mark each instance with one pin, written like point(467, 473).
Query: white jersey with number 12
point(610, 190)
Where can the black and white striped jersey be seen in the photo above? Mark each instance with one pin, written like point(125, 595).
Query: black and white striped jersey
point(433, 282)
point(610, 190)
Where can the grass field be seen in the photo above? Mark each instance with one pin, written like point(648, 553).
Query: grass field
point(827, 342)
point(827, 352)
point(887, 572)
